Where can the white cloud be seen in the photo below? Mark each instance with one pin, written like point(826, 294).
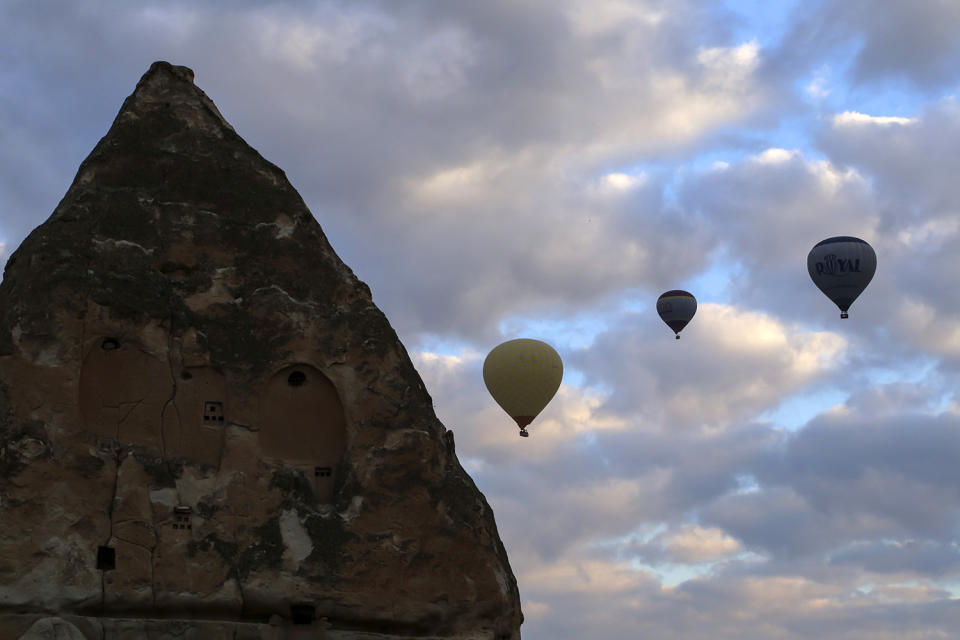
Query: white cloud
point(593, 577)
point(453, 185)
point(819, 87)
point(693, 544)
point(620, 182)
point(730, 66)
point(854, 118)
point(775, 156)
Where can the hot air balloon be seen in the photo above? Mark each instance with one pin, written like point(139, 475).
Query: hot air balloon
point(676, 308)
point(522, 375)
point(842, 267)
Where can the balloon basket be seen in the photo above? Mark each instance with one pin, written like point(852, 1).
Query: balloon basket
point(524, 434)
point(843, 315)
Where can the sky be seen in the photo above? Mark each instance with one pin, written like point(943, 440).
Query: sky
point(545, 169)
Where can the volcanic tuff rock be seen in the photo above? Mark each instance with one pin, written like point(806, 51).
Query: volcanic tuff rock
point(203, 415)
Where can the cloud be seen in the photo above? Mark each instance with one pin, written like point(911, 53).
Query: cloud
point(910, 160)
point(458, 134)
point(917, 42)
point(770, 209)
point(914, 43)
point(907, 559)
point(861, 496)
point(548, 168)
point(869, 471)
point(912, 171)
point(598, 600)
point(694, 544)
point(731, 363)
point(855, 118)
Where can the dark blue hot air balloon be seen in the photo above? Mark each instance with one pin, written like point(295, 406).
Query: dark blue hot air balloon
point(676, 308)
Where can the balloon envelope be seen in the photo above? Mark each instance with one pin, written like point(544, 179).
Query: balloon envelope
point(842, 267)
point(676, 308)
point(523, 375)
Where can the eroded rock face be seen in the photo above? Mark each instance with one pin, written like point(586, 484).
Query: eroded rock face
point(202, 411)
point(52, 629)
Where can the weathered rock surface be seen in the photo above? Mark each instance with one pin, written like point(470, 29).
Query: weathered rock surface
point(52, 629)
point(203, 414)
point(35, 627)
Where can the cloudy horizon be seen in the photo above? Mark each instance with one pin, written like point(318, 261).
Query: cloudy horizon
point(545, 169)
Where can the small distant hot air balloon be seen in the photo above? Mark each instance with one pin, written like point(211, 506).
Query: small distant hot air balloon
point(523, 375)
point(676, 308)
point(842, 267)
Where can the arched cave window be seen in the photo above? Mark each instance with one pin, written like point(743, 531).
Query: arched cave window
point(123, 389)
point(303, 425)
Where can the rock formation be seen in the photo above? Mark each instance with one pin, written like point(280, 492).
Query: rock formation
point(203, 416)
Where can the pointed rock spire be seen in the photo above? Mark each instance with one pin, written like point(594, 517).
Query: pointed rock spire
point(201, 408)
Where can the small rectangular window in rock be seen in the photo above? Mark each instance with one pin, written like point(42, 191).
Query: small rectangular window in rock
point(322, 472)
point(181, 517)
point(106, 558)
point(302, 613)
point(212, 413)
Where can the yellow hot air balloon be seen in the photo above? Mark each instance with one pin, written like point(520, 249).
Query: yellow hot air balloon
point(523, 375)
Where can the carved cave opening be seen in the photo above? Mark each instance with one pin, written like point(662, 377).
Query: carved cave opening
point(302, 614)
point(303, 424)
point(123, 389)
point(106, 558)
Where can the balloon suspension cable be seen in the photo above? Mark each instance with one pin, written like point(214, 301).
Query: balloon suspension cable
point(524, 434)
point(843, 314)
